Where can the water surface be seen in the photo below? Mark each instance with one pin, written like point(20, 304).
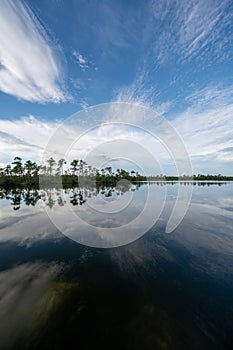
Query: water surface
point(163, 291)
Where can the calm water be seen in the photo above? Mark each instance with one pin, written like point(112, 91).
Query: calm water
point(163, 291)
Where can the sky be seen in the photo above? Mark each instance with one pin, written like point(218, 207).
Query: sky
point(59, 57)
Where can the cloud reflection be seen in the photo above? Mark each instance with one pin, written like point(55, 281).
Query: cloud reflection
point(20, 288)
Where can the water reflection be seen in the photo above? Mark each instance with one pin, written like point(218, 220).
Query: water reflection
point(52, 196)
point(79, 196)
point(17, 196)
point(25, 283)
point(161, 292)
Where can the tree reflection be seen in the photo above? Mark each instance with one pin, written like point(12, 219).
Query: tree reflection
point(16, 199)
point(78, 196)
point(57, 196)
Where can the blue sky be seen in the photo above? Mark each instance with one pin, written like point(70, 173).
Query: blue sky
point(58, 57)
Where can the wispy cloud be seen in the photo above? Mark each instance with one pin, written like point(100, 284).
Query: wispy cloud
point(84, 104)
point(175, 33)
point(192, 29)
point(207, 134)
point(139, 91)
point(82, 62)
point(211, 96)
point(29, 65)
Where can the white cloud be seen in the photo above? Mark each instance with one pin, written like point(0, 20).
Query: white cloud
point(82, 62)
point(25, 137)
point(207, 134)
point(29, 66)
point(206, 130)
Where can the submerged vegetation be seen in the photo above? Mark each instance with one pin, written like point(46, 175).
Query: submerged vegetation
point(29, 174)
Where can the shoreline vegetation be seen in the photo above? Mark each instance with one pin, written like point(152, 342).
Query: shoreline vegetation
point(31, 174)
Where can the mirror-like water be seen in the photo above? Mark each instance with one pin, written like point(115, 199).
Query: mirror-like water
point(163, 291)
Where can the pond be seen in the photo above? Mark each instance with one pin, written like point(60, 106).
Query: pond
point(161, 291)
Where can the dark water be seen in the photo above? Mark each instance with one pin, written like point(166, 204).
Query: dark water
point(163, 291)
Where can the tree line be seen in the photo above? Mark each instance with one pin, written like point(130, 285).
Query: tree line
point(28, 173)
point(77, 168)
